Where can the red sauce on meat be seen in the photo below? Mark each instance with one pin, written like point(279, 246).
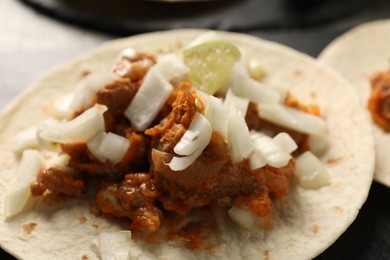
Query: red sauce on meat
point(379, 101)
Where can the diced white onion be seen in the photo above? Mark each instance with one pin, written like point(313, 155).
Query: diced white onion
point(216, 114)
point(27, 139)
point(56, 160)
point(79, 129)
point(148, 100)
point(129, 53)
point(114, 245)
point(193, 142)
point(87, 89)
point(244, 218)
point(170, 66)
point(281, 87)
point(241, 104)
point(310, 171)
point(256, 69)
point(256, 161)
point(63, 106)
point(284, 140)
point(318, 143)
point(108, 147)
point(244, 86)
point(97, 80)
point(17, 197)
point(293, 119)
point(273, 154)
point(239, 140)
point(197, 135)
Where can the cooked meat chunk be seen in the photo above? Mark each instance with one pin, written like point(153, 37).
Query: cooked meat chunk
point(379, 101)
point(133, 198)
point(62, 181)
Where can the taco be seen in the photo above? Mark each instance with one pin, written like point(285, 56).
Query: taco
point(199, 167)
point(361, 56)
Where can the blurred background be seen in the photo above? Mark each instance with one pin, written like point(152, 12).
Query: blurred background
point(38, 35)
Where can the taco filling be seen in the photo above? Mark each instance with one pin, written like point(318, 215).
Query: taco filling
point(156, 136)
point(379, 101)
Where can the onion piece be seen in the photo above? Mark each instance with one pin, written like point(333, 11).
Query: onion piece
point(129, 53)
point(285, 141)
point(256, 161)
point(114, 245)
point(241, 104)
point(216, 114)
point(310, 171)
point(148, 100)
point(197, 135)
point(17, 197)
point(273, 154)
point(318, 144)
point(108, 147)
point(293, 119)
point(170, 66)
point(244, 218)
point(26, 139)
point(87, 89)
point(192, 144)
point(79, 129)
point(239, 140)
point(256, 69)
point(244, 86)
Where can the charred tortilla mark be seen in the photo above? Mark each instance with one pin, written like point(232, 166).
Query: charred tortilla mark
point(338, 209)
point(266, 255)
point(297, 73)
point(95, 225)
point(84, 73)
point(83, 219)
point(335, 160)
point(84, 257)
point(315, 228)
point(28, 228)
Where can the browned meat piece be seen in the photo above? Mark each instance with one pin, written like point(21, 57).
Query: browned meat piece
point(133, 198)
point(63, 181)
point(135, 159)
point(170, 130)
point(379, 101)
point(213, 180)
point(135, 67)
point(252, 118)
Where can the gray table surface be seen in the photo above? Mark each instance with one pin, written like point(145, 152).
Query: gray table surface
point(31, 44)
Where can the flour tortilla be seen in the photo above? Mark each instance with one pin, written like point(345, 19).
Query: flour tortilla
point(306, 221)
point(357, 55)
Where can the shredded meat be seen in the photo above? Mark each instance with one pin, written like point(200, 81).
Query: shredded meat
point(135, 67)
point(379, 101)
point(63, 181)
point(168, 133)
point(133, 198)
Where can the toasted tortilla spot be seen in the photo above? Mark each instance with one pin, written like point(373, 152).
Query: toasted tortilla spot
point(266, 255)
point(338, 209)
point(28, 228)
point(315, 228)
point(334, 160)
point(297, 73)
point(82, 219)
point(84, 257)
point(84, 73)
point(95, 225)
